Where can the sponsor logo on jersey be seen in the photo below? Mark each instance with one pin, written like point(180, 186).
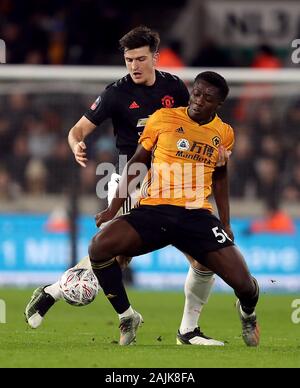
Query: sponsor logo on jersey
point(183, 145)
point(216, 141)
point(168, 102)
point(96, 103)
point(142, 122)
point(134, 105)
point(199, 152)
point(180, 130)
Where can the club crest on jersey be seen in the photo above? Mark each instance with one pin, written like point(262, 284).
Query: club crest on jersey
point(96, 103)
point(216, 141)
point(168, 102)
point(183, 145)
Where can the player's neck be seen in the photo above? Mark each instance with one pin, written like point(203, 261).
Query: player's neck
point(202, 121)
point(151, 80)
point(206, 121)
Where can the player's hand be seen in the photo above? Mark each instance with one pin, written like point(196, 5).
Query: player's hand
point(80, 153)
point(104, 216)
point(229, 232)
point(224, 156)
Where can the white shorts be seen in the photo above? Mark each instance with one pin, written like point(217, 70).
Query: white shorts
point(130, 201)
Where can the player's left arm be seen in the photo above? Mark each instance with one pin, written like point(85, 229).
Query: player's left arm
point(221, 181)
point(223, 156)
point(221, 194)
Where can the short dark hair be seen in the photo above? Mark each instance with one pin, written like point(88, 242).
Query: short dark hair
point(139, 37)
point(216, 80)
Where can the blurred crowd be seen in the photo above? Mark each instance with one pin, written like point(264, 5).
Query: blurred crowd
point(266, 158)
point(86, 32)
point(73, 32)
point(36, 159)
point(35, 155)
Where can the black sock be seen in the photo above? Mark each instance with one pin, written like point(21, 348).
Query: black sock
point(109, 275)
point(248, 304)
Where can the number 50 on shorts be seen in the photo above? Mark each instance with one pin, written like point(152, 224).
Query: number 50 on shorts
point(221, 235)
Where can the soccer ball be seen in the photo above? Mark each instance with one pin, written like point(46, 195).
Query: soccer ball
point(79, 287)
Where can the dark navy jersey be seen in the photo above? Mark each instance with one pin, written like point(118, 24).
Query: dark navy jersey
point(129, 105)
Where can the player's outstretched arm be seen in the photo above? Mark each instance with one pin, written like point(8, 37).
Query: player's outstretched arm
point(221, 194)
point(142, 157)
point(76, 138)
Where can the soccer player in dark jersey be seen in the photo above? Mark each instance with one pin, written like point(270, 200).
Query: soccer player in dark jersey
point(170, 213)
point(129, 102)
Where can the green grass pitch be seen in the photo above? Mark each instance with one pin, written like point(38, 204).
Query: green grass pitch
point(87, 337)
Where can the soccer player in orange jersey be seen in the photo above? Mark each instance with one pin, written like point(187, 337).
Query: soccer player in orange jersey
point(129, 102)
point(174, 207)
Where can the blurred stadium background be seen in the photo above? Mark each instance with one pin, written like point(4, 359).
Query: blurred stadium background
point(60, 55)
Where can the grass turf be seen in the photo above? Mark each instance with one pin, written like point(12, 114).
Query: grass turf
point(87, 337)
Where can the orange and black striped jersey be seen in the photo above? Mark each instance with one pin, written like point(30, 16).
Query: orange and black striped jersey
point(184, 157)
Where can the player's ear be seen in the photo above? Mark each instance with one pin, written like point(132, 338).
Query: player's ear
point(220, 104)
point(155, 58)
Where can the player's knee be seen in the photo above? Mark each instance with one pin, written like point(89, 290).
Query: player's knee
point(99, 248)
point(246, 288)
point(93, 248)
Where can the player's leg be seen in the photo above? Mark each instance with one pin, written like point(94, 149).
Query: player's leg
point(200, 234)
point(44, 297)
point(197, 289)
point(104, 247)
point(124, 236)
point(229, 264)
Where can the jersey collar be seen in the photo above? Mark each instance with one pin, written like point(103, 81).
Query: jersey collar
point(157, 77)
point(211, 124)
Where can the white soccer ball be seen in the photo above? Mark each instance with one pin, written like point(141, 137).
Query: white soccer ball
point(79, 287)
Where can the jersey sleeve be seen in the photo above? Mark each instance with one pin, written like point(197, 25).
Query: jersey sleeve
point(150, 134)
point(101, 108)
point(228, 140)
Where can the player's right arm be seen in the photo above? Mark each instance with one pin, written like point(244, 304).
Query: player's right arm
point(98, 112)
point(76, 139)
point(141, 157)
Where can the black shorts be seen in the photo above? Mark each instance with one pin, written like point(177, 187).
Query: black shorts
point(194, 232)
